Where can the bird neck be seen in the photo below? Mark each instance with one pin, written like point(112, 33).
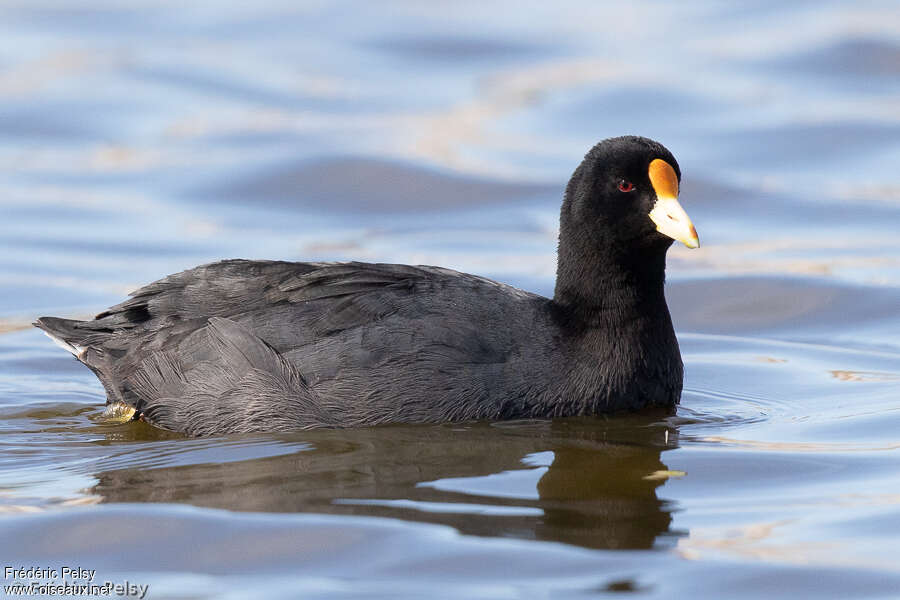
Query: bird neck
point(619, 349)
point(602, 287)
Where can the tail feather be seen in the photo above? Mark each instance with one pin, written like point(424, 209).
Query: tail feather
point(65, 333)
point(84, 340)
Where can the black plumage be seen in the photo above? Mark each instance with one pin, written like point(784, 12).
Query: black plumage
point(239, 345)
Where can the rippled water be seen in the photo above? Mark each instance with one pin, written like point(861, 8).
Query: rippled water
point(141, 138)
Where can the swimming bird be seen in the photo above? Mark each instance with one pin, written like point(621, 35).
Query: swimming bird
point(239, 346)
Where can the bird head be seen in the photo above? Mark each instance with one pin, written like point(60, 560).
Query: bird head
point(625, 193)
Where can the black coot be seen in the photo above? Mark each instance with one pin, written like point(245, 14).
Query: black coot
point(240, 346)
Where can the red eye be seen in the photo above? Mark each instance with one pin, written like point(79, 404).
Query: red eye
point(625, 186)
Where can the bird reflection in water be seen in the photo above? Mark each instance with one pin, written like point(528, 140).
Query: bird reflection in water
point(597, 487)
